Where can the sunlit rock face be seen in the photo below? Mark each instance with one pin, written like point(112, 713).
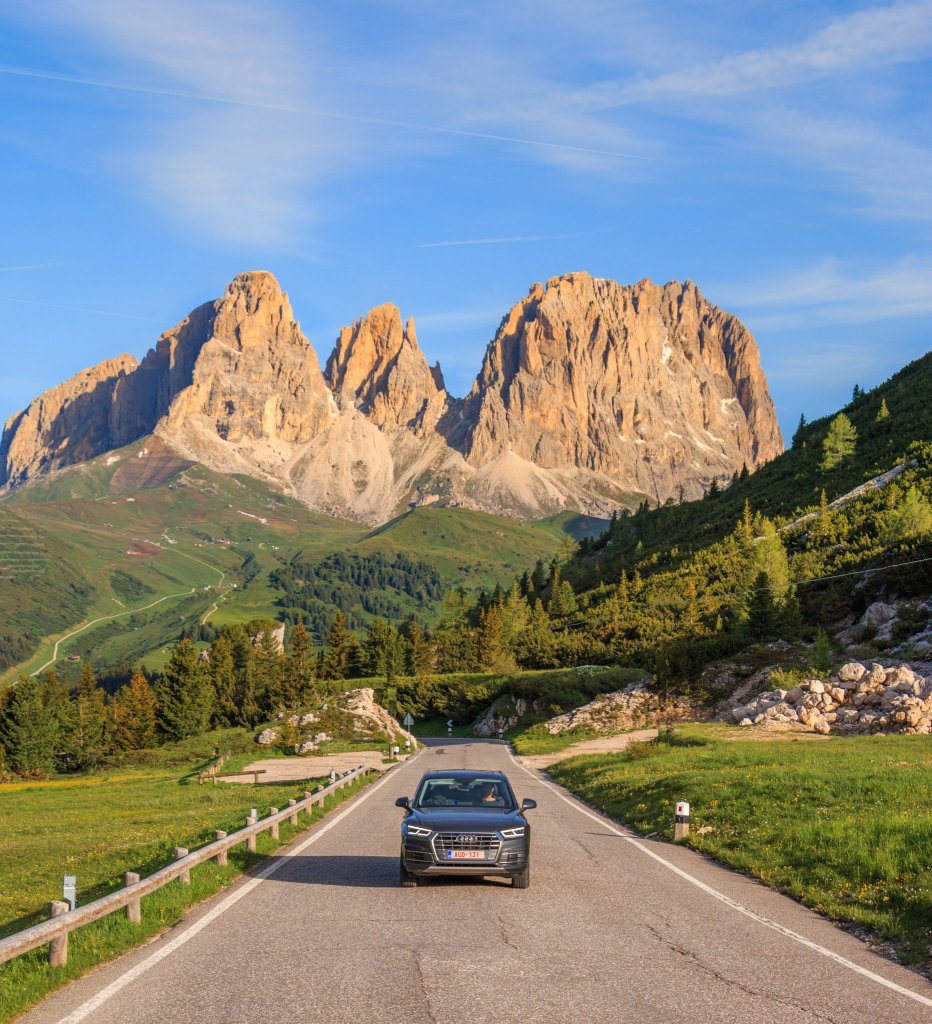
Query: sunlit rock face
point(590, 394)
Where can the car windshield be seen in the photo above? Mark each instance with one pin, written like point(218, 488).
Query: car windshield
point(464, 792)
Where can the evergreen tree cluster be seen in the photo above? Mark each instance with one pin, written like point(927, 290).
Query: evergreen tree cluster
point(359, 586)
point(46, 727)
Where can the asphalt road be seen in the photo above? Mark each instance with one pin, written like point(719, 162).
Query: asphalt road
point(611, 930)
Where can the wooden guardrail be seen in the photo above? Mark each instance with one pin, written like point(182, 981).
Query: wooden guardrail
point(63, 921)
point(210, 772)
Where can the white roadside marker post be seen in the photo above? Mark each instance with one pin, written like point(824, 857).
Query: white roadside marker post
point(69, 890)
point(681, 821)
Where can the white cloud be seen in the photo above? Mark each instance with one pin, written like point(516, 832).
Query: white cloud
point(833, 292)
point(858, 42)
point(228, 152)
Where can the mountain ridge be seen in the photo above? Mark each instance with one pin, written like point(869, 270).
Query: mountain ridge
point(591, 395)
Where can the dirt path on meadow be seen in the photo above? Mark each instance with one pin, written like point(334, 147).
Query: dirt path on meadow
point(296, 769)
point(600, 745)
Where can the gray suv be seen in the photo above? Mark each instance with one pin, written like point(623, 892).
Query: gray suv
point(465, 823)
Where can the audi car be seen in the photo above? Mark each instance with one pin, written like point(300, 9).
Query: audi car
point(465, 823)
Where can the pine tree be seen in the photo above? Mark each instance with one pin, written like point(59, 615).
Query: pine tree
point(270, 665)
point(745, 472)
point(419, 653)
point(823, 529)
point(910, 518)
point(134, 715)
point(377, 647)
point(762, 609)
point(491, 640)
point(396, 656)
point(184, 693)
point(222, 669)
point(57, 702)
point(568, 598)
point(515, 616)
point(28, 732)
point(88, 738)
point(246, 710)
point(714, 488)
point(300, 668)
point(857, 392)
point(535, 648)
point(883, 412)
point(454, 637)
point(839, 443)
point(336, 660)
point(798, 436)
point(555, 607)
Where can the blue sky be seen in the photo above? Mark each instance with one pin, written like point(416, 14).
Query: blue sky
point(445, 157)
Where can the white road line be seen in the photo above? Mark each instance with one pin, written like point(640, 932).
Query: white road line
point(727, 900)
point(95, 1002)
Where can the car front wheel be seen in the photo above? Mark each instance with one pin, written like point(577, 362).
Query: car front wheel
point(522, 879)
point(408, 881)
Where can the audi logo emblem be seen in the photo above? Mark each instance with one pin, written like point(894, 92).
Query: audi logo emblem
point(468, 839)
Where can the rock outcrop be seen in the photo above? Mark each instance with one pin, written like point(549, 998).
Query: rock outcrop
point(377, 367)
point(647, 384)
point(69, 423)
point(591, 395)
point(636, 705)
point(859, 699)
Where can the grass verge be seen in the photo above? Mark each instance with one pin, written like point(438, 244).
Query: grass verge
point(534, 739)
point(843, 825)
point(28, 979)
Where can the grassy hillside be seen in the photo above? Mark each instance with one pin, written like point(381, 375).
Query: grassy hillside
point(843, 825)
point(138, 545)
point(783, 488)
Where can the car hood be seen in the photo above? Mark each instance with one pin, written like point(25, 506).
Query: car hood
point(467, 820)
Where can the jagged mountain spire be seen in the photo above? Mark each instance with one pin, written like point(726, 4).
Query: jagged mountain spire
point(590, 393)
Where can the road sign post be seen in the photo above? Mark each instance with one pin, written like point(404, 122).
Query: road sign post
point(450, 727)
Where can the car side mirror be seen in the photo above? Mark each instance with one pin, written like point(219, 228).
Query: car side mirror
point(403, 801)
point(527, 804)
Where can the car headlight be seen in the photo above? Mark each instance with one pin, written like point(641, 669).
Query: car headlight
point(513, 833)
point(416, 830)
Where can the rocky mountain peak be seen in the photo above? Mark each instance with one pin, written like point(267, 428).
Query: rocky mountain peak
point(647, 383)
point(69, 423)
point(589, 393)
point(377, 367)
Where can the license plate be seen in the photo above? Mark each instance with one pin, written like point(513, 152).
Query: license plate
point(465, 855)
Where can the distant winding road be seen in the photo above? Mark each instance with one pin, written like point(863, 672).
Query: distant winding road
point(106, 618)
point(614, 930)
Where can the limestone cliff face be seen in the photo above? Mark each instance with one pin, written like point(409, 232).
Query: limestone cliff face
point(377, 367)
point(589, 394)
point(645, 384)
point(255, 382)
point(69, 423)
